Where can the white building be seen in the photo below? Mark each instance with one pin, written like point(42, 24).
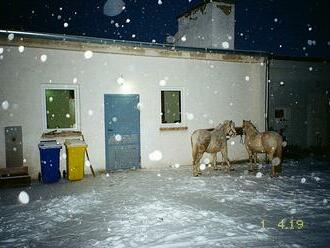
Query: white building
point(207, 88)
point(211, 24)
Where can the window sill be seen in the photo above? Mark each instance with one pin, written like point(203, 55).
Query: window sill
point(55, 134)
point(173, 128)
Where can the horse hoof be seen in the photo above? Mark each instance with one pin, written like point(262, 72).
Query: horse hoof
point(232, 169)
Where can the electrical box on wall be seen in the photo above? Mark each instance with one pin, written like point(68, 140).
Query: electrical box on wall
point(14, 146)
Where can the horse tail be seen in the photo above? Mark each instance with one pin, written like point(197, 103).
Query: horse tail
point(193, 146)
point(279, 149)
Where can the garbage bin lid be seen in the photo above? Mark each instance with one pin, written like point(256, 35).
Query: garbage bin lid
point(75, 143)
point(48, 144)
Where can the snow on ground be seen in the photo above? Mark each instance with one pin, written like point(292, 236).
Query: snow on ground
point(170, 208)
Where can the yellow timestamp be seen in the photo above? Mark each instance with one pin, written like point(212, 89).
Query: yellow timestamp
point(285, 224)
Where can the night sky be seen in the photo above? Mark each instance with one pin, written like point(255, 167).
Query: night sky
point(282, 27)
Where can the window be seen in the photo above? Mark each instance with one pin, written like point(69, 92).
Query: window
point(279, 113)
point(171, 106)
point(60, 107)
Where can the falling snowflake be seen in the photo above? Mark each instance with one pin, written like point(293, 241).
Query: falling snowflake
point(67, 116)
point(21, 49)
point(50, 99)
point(75, 80)
point(118, 137)
point(23, 197)
point(114, 119)
point(133, 35)
point(90, 112)
point(1, 50)
point(276, 161)
point(87, 163)
point(259, 175)
point(5, 105)
point(247, 78)
point(139, 106)
point(155, 155)
point(225, 44)
point(113, 7)
point(43, 58)
point(88, 54)
point(66, 24)
point(232, 142)
point(160, 2)
point(128, 20)
point(176, 165)
point(202, 167)
point(310, 68)
point(183, 38)
point(162, 82)
point(293, 211)
point(303, 180)
point(275, 20)
point(11, 36)
point(281, 83)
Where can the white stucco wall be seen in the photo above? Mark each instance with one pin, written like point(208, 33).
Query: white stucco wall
point(213, 91)
point(208, 27)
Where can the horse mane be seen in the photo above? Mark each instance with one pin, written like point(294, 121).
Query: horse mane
point(253, 126)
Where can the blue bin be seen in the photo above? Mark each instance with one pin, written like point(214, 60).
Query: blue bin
point(50, 161)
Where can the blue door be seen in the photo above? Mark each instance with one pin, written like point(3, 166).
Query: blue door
point(122, 131)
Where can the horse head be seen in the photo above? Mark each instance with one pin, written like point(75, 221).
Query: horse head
point(230, 128)
point(248, 125)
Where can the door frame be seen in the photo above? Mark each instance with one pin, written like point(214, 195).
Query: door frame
point(106, 137)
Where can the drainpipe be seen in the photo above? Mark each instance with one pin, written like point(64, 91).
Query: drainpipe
point(266, 93)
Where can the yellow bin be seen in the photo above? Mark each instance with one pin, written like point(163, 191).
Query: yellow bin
point(75, 158)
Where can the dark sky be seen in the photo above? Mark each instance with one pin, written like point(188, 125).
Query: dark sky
point(284, 27)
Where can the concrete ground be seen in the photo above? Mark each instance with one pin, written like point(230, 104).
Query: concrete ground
point(170, 208)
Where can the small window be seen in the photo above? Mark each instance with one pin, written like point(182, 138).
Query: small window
point(171, 106)
point(60, 107)
point(279, 113)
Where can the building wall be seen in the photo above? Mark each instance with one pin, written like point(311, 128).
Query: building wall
point(195, 30)
point(223, 25)
point(210, 26)
point(304, 95)
point(213, 91)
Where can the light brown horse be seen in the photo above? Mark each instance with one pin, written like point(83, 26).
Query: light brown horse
point(211, 141)
point(263, 142)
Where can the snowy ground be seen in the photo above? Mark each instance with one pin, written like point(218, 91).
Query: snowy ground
point(170, 208)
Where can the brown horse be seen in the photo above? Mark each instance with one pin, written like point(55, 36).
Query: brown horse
point(263, 142)
point(211, 141)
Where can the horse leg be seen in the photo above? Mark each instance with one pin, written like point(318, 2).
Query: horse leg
point(250, 158)
point(225, 157)
point(196, 169)
point(214, 157)
point(270, 157)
